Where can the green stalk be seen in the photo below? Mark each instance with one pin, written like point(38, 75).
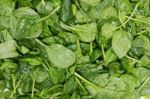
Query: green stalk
point(51, 89)
point(141, 32)
point(103, 52)
point(91, 84)
point(143, 85)
point(130, 16)
point(126, 20)
point(45, 67)
point(53, 12)
point(134, 19)
point(41, 43)
point(91, 48)
point(133, 59)
point(43, 2)
point(55, 95)
point(15, 86)
point(79, 48)
point(84, 80)
point(69, 28)
point(33, 85)
point(77, 80)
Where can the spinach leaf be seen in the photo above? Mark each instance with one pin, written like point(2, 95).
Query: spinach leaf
point(6, 9)
point(46, 8)
point(74, 49)
point(105, 30)
point(24, 23)
point(86, 32)
point(60, 56)
point(8, 49)
point(66, 13)
point(121, 43)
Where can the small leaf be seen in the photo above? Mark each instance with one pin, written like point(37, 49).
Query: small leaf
point(121, 43)
point(60, 56)
point(86, 32)
point(8, 49)
point(105, 30)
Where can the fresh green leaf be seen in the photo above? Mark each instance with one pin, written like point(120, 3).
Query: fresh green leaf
point(8, 49)
point(86, 32)
point(121, 43)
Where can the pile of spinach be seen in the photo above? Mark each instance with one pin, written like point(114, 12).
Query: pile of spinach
point(74, 49)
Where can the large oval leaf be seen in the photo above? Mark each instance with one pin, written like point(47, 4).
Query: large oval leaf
point(121, 43)
point(60, 56)
point(24, 23)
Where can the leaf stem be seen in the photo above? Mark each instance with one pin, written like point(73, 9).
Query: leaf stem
point(51, 89)
point(90, 83)
point(143, 85)
point(46, 17)
point(141, 32)
point(69, 28)
point(134, 19)
point(77, 80)
point(133, 59)
point(126, 20)
point(79, 48)
point(43, 2)
point(45, 67)
point(15, 86)
point(120, 18)
point(33, 85)
point(85, 80)
point(103, 52)
point(91, 48)
point(55, 95)
point(130, 16)
point(41, 43)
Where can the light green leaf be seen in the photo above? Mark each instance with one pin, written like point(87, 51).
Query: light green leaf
point(86, 32)
point(105, 30)
point(8, 49)
point(6, 8)
point(110, 56)
point(108, 12)
point(60, 56)
point(121, 43)
point(91, 2)
point(81, 17)
point(32, 60)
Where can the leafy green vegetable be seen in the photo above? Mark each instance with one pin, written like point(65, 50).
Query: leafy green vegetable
point(59, 55)
point(6, 9)
point(86, 32)
point(74, 49)
point(66, 13)
point(46, 8)
point(24, 23)
point(8, 49)
point(121, 43)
